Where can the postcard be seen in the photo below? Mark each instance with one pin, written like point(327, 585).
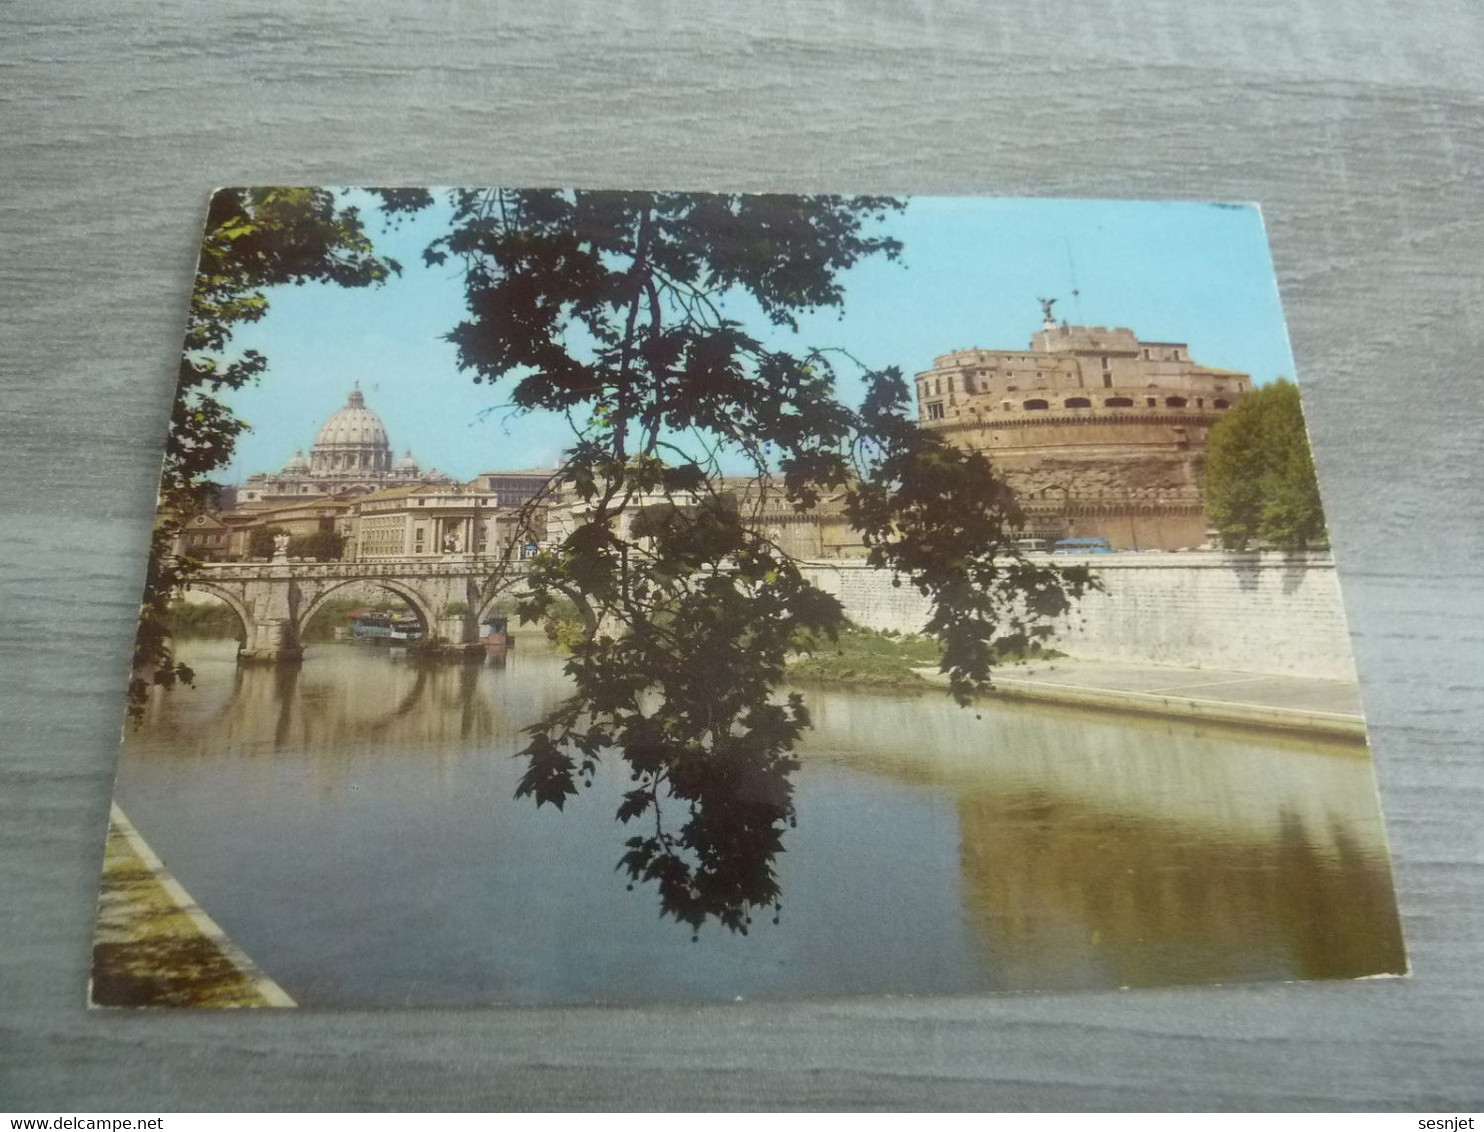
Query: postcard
point(565, 597)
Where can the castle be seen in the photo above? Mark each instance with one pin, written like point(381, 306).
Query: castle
point(1099, 434)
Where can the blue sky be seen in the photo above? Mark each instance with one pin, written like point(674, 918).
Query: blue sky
point(970, 273)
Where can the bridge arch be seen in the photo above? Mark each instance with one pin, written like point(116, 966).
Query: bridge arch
point(231, 600)
point(415, 599)
point(493, 592)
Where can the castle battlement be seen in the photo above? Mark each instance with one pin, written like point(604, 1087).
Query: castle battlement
point(1087, 415)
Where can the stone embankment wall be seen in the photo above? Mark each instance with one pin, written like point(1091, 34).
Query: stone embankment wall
point(1267, 613)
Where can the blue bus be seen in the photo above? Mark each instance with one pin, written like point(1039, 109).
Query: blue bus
point(1082, 546)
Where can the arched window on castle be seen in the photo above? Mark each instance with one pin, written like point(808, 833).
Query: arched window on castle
point(1175, 402)
point(1220, 404)
point(1119, 402)
point(1035, 403)
point(1078, 403)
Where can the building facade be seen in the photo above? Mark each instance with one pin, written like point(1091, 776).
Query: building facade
point(822, 532)
point(1099, 433)
point(512, 489)
point(431, 520)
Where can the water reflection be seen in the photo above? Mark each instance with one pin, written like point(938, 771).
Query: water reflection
point(1089, 900)
point(1101, 850)
point(348, 696)
point(351, 825)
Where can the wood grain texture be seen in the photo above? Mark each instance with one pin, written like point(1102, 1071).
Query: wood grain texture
point(1356, 124)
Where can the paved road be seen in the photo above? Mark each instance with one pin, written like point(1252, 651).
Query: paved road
point(1294, 693)
point(1290, 703)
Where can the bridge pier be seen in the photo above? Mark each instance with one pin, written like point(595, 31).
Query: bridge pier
point(274, 641)
point(459, 633)
point(273, 636)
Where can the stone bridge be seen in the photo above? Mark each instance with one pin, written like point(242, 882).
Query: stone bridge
point(275, 600)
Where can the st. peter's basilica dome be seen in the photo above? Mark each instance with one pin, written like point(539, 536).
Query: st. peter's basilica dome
point(352, 442)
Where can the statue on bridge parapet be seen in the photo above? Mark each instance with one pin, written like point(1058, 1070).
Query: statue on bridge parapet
point(280, 547)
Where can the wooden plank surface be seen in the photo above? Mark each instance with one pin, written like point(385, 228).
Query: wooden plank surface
point(1358, 126)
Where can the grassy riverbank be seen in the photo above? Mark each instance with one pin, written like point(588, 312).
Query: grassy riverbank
point(214, 620)
point(865, 658)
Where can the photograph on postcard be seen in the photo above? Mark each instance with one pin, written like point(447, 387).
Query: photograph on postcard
point(564, 596)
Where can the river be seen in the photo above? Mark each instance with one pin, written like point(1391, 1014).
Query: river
point(350, 823)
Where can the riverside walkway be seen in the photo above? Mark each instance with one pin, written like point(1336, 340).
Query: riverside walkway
point(1288, 703)
point(154, 946)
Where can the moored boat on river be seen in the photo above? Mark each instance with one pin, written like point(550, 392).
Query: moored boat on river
point(383, 626)
point(495, 633)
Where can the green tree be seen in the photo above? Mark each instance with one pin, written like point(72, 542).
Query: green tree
point(1259, 478)
point(254, 239)
point(260, 542)
point(608, 307)
point(322, 546)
